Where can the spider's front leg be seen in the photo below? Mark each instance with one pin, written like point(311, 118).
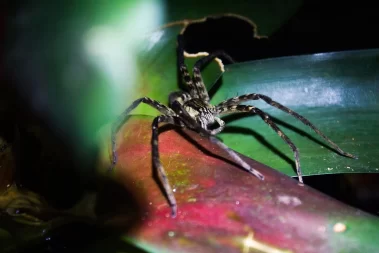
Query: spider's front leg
point(121, 119)
point(221, 127)
point(196, 85)
point(192, 124)
point(271, 123)
point(156, 160)
point(254, 96)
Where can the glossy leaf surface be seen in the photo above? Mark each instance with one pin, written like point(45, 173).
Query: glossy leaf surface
point(337, 92)
point(224, 209)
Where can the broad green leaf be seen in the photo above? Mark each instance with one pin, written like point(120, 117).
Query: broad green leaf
point(338, 92)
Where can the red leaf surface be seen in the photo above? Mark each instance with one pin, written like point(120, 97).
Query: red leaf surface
point(225, 209)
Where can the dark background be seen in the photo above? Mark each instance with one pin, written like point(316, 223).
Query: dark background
point(318, 26)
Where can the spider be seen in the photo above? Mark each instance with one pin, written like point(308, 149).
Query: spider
point(191, 109)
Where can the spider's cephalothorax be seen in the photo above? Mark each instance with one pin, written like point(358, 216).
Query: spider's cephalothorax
point(203, 113)
point(192, 110)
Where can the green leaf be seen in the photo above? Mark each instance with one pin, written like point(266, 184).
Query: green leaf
point(338, 92)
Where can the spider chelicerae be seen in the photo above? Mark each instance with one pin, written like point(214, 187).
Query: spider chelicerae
point(192, 110)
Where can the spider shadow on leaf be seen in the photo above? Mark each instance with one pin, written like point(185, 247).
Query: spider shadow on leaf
point(233, 129)
point(263, 141)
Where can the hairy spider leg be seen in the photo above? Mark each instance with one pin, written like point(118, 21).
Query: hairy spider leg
point(203, 61)
point(179, 96)
point(115, 126)
point(268, 100)
point(220, 128)
point(196, 85)
point(266, 118)
point(185, 76)
point(192, 124)
point(199, 65)
point(157, 163)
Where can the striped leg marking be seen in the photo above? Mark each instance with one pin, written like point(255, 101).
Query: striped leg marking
point(268, 121)
point(115, 126)
point(157, 163)
point(268, 100)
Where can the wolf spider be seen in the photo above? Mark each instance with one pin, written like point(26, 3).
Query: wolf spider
point(192, 110)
